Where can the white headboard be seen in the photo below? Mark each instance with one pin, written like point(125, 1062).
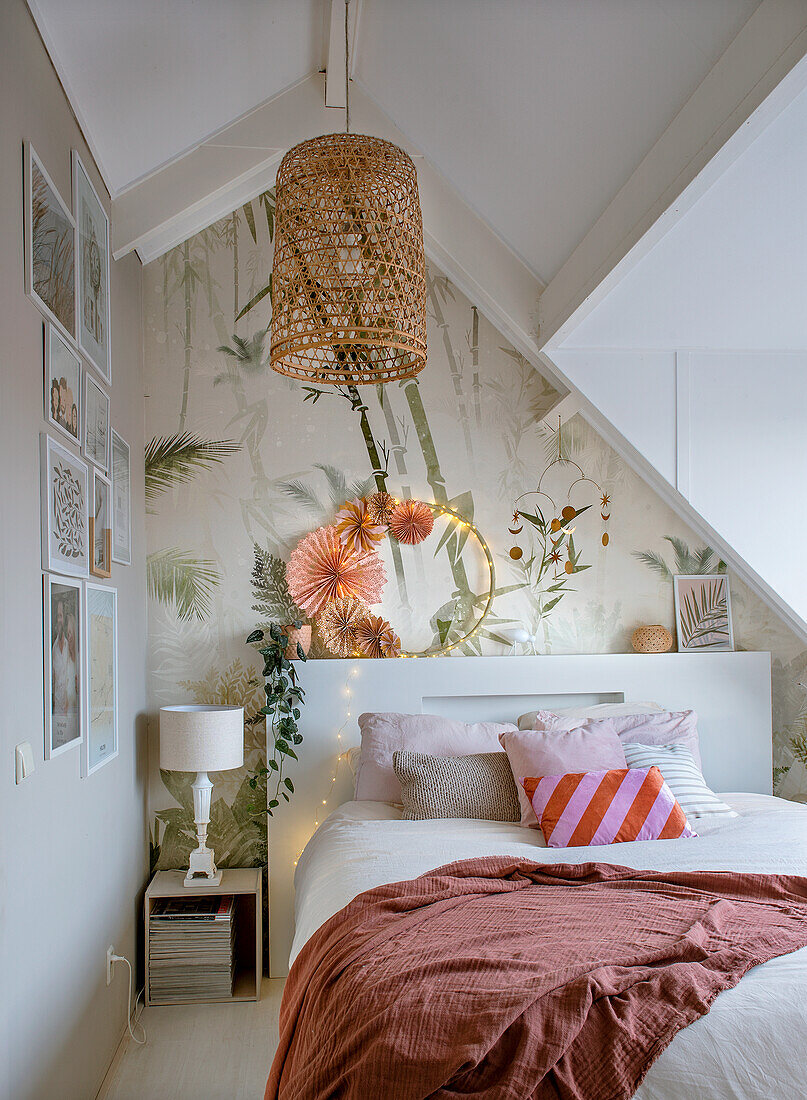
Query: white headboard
point(731, 693)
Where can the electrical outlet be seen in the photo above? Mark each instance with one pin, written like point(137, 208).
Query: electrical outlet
point(110, 951)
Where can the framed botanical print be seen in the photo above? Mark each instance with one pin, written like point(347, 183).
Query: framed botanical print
point(101, 677)
point(121, 501)
point(101, 526)
point(703, 612)
point(96, 423)
point(65, 510)
point(63, 641)
point(92, 272)
point(50, 247)
point(63, 399)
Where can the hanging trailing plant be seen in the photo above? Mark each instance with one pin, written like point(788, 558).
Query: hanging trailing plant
point(284, 697)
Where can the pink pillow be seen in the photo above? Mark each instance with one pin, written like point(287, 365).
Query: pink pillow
point(665, 728)
point(554, 752)
point(384, 734)
point(608, 807)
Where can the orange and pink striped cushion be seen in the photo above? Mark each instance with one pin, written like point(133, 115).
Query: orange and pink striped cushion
point(608, 807)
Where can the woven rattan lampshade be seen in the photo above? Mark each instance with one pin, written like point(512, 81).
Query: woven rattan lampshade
point(349, 276)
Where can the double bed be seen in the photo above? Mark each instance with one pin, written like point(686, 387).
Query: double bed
point(751, 1042)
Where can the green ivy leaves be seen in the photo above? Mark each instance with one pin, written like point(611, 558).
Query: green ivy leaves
point(284, 697)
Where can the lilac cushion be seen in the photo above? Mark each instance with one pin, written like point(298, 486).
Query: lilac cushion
point(665, 728)
point(556, 752)
point(384, 734)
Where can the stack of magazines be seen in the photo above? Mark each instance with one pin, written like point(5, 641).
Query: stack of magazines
point(191, 956)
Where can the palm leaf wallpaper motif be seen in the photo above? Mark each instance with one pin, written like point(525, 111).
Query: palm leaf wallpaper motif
point(179, 580)
point(703, 613)
point(686, 562)
point(176, 459)
point(467, 432)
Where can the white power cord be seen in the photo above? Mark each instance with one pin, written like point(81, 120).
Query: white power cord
point(130, 1010)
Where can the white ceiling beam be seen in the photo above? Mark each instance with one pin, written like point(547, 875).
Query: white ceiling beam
point(335, 64)
point(741, 85)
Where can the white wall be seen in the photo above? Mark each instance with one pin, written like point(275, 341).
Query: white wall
point(726, 430)
point(73, 857)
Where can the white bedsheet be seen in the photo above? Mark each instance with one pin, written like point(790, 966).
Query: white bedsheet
point(753, 1043)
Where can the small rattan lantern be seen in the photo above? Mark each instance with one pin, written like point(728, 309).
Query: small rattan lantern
point(349, 276)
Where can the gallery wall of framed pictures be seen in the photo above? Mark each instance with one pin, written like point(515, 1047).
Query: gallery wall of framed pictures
point(85, 465)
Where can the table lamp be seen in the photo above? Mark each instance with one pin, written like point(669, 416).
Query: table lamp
point(201, 739)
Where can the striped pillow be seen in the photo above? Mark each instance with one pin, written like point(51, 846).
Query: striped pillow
point(685, 779)
point(583, 808)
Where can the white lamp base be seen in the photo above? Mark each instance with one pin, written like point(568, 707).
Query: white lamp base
point(202, 870)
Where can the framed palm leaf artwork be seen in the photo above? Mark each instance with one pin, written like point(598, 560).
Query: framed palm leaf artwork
point(703, 612)
point(50, 247)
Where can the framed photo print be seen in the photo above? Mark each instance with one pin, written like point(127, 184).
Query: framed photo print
point(92, 271)
point(50, 247)
point(703, 612)
point(101, 677)
point(63, 399)
point(96, 423)
point(101, 526)
point(63, 640)
point(121, 501)
point(64, 501)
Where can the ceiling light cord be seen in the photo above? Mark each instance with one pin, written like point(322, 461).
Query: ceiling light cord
point(347, 73)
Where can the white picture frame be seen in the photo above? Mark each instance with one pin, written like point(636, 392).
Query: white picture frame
point(100, 742)
point(63, 642)
point(703, 613)
point(64, 501)
point(93, 314)
point(63, 385)
point(96, 423)
point(100, 525)
point(121, 469)
point(50, 246)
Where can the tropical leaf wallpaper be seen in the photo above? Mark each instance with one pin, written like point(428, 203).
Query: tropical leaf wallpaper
point(242, 463)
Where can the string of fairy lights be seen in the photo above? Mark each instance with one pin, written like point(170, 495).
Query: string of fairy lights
point(342, 753)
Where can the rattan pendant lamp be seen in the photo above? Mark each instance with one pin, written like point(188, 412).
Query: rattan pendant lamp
point(349, 278)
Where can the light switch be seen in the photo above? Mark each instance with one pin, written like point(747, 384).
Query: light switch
point(23, 760)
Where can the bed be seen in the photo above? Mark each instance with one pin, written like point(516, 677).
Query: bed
point(749, 1044)
point(752, 1041)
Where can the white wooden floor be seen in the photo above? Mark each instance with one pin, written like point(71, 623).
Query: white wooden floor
point(200, 1052)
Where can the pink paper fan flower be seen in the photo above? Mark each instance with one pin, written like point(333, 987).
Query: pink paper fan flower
point(356, 526)
point(411, 522)
point(321, 569)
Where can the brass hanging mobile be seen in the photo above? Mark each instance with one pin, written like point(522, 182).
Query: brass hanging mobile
point(559, 529)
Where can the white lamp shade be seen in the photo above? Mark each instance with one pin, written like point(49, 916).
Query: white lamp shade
point(201, 739)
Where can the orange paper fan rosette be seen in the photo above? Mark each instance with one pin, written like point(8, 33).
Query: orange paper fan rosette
point(356, 526)
point(322, 569)
point(369, 635)
point(411, 522)
point(390, 643)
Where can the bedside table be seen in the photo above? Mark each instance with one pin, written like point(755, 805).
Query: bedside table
point(245, 884)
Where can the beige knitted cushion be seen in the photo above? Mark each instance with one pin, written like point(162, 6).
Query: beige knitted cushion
point(480, 785)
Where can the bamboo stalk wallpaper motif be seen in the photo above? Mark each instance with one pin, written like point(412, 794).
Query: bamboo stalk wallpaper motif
point(243, 462)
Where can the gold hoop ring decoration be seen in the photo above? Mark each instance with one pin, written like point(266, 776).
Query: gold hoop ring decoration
point(442, 510)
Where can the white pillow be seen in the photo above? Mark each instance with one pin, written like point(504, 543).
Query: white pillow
point(597, 710)
point(682, 775)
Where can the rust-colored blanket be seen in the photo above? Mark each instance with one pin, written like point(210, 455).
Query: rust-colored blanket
point(504, 978)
